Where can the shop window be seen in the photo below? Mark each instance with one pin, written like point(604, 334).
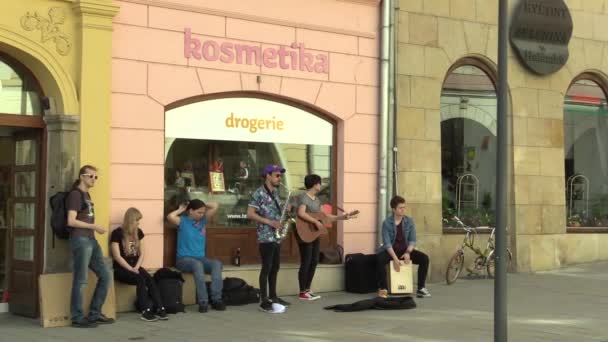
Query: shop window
point(19, 91)
point(215, 151)
point(468, 146)
point(586, 155)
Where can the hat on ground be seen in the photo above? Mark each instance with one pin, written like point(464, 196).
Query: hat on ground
point(270, 168)
point(278, 308)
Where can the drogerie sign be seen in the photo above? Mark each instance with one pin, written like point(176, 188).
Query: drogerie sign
point(540, 33)
point(295, 57)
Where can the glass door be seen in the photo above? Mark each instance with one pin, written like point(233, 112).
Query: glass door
point(25, 222)
point(6, 160)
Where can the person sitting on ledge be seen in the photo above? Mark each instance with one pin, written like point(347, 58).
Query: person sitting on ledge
point(191, 221)
point(127, 246)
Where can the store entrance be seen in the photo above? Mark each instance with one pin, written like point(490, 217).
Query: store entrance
point(20, 218)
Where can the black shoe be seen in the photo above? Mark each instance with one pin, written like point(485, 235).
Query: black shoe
point(162, 314)
point(148, 316)
point(102, 319)
point(266, 306)
point(202, 308)
point(84, 323)
point(280, 301)
point(218, 305)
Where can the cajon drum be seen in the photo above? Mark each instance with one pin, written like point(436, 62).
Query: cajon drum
point(400, 282)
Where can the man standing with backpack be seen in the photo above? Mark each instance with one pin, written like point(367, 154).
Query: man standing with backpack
point(86, 252)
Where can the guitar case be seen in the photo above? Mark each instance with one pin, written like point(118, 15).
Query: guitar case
point(360, 273)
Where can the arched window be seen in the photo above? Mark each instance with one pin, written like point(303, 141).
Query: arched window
point(19, 91)
point(216, 149)
point(585, 151)
point(468, 145)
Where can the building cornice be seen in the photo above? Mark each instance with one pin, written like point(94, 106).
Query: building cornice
point(261, 19)
point(363, 2)
point(101, 8)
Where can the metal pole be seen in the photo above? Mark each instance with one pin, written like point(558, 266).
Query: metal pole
point(500, 281)
point(383, 125)
point(390, 176)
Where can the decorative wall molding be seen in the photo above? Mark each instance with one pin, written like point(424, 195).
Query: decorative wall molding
point(50, 28)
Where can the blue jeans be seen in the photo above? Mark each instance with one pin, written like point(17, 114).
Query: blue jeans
point(86, 254)
point(200, 266)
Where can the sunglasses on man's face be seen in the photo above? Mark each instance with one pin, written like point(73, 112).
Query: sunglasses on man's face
point(91, 176)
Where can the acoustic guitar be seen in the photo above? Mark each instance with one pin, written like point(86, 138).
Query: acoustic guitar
point(308, 232)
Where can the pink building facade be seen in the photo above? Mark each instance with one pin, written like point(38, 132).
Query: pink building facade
point(319, 58)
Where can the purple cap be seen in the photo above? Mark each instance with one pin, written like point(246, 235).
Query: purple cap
point(270, 168)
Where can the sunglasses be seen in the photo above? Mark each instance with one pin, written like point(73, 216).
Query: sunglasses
point(90, 175)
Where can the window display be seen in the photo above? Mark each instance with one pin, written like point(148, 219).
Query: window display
point(205, 159)
point(468, 147)
point(586, 164)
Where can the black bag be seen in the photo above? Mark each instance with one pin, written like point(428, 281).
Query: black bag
point(171, 294)
point(331, 255)
point(167, 273)
point(360, 273)
point(231, 284)
point(59, 214)
point(236, 291)
point(241, 296)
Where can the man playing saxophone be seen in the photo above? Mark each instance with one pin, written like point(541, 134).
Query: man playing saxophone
point(265, 209)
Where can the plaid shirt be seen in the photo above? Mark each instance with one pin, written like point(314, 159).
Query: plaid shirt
point(264, 206)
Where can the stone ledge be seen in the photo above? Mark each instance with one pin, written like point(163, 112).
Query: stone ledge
point(587, 230)
point(329, 278)
point(458, 230)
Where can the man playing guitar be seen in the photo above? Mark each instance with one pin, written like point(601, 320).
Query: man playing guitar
point(311, 221)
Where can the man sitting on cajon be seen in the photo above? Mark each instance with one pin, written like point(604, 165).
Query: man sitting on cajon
point(399, 242)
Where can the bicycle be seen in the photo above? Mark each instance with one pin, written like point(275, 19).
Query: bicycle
point(485, 259)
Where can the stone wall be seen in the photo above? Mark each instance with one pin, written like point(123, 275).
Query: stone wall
point(434, 35)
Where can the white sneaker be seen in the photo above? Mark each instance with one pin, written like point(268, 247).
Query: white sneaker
point(423, 292)
point(313, 296)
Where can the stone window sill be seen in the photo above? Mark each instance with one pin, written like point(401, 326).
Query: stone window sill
point(587, 230)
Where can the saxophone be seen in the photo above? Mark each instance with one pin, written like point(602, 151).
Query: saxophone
point(286, 220)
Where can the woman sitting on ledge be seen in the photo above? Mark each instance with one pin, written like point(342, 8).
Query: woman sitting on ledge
point(127, 247)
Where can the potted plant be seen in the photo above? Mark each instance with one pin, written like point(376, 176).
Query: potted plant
point(574, 221)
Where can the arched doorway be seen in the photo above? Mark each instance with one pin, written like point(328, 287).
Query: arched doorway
point(22, 159)
point(215, 149)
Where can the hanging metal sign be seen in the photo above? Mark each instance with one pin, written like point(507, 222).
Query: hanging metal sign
point(540, 33)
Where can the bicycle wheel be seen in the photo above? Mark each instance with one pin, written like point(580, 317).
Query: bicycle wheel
point(454, 267)
point(491, 263)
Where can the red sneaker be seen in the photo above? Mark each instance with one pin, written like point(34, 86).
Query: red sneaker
point(305, 296)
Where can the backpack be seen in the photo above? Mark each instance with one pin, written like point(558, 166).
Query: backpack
point(241, 296)
point(236, 291)
point(59, 214)
point(231, 284)
point(171, 295)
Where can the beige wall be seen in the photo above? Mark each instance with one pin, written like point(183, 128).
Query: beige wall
point(432, 36)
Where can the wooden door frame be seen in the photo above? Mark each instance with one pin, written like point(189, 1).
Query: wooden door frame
point(35, 127)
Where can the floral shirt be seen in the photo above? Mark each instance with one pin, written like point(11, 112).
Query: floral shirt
point(264, 206)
